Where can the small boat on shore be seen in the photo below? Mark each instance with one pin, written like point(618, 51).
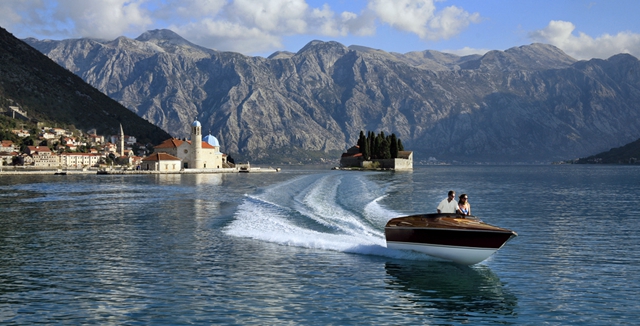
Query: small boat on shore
point(461, 239)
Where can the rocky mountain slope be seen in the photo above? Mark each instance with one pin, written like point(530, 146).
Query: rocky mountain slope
point(48, 92)
point(529, 103)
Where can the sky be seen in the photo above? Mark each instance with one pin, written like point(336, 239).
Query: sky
point(582, 29)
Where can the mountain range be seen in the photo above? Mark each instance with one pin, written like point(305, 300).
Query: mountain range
point(525, 104)
point(51, 94)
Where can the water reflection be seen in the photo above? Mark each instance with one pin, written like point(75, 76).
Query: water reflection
point(168, 179)
point(454, 291)
point(208, 179)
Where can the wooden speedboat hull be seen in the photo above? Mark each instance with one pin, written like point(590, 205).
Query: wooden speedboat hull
point(447, 237)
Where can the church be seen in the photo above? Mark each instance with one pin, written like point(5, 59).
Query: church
point(197, 153)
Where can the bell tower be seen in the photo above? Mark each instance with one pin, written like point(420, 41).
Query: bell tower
point(121, 152)
point(196, 144)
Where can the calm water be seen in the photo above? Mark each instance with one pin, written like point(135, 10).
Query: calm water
point(306, 247)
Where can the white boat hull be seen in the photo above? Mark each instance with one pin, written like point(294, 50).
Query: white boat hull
point(459, 255)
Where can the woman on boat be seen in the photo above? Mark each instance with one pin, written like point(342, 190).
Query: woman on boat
point(463, 205)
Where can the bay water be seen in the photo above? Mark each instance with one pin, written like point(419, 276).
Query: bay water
point(306, 246)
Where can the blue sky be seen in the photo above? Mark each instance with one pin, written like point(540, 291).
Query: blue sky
point(583, 29)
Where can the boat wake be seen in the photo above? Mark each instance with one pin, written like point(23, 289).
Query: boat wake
point(334, 211)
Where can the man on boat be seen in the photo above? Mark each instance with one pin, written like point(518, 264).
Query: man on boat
point(449, 204)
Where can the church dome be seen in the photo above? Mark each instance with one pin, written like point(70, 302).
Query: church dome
point(196, 123)
point(213, 141)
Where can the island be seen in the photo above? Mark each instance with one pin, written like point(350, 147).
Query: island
point(377, 152)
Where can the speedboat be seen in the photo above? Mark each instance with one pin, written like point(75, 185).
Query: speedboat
point(461, 239)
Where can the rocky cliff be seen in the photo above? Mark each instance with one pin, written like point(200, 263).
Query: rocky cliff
point(529, 103)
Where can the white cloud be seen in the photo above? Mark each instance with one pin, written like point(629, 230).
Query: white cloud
point(228, 36)
point(193, 8)
point(287, 16)
point(28, 16)
point(104, 19)
point(583, 46)
point(250, 26)
point(421, 18)
point(247, 26)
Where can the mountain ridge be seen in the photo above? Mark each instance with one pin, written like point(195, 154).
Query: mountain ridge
point(528, 103)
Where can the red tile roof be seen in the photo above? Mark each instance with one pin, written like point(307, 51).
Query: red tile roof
point(170, 143)
point(37, 149)
point(174, 143)
point(160, 157)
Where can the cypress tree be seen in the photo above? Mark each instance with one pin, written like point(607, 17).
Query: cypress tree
point(366, 152)
point(375, 151)
point(385, 148)
point(394, 146)
point(361, 141)
point(371, 139)
point(400, 147)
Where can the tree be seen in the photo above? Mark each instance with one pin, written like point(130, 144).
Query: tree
point(385, 148)
point(361, 141)
point(375, 151)
point(394, 146)
point(366, 154)
point(379, 146)
point(371, 137)
point(17, 160)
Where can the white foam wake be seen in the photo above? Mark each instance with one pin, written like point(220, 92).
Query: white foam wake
point(336, 211)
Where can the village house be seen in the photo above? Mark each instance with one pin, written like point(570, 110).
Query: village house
point(109, 148)
point(26, 159)
point(21, 132)
point(47, 136)
point(95, 139)
point(42, 157)
point(162, 162)
point(7, 146)
point(78, 160)
point(6, 158)
point(59, 132)
point(7, 151)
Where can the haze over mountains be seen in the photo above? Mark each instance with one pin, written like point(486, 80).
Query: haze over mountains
point(529, 103)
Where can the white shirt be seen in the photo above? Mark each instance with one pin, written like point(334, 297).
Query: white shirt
point(447, 206)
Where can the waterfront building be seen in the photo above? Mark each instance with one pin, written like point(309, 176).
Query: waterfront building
point(196, 153)
point(78, 160)
point(162, 162)
point(42, 157)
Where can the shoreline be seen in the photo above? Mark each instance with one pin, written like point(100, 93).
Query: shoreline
point(123, 172)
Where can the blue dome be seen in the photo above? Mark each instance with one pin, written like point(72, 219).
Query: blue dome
point(196, 124)
point(213, 141)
